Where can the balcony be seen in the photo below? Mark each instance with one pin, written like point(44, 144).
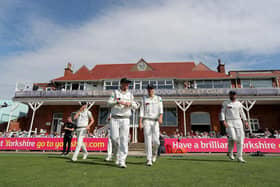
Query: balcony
point(163, 92)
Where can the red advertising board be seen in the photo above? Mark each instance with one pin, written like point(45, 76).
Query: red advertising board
point(184, 145)
point(92, 144)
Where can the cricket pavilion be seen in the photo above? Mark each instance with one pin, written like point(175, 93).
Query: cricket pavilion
point(192, 95)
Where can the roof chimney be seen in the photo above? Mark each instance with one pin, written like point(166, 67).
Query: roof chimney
point(221, 67)
point(68, 70)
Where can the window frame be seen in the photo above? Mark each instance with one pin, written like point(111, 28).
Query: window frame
point(212, 83)
point(200, 112)
point(163, 120)
point(250, 83)
point(253, 122)
point(111, 84)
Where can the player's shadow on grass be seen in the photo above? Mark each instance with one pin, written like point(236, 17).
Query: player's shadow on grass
point(136, 163)
point(200, 160)
point(111, 164)
point(59, 157)
point(107, 164)
point(96, 158)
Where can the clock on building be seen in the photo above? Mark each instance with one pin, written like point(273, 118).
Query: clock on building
point(141, 66)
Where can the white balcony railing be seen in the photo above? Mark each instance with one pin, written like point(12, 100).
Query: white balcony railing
point(164, 92)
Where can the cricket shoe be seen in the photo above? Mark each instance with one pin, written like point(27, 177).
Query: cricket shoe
point(74, 159)
point(117, 162)
point(231, 157)
point(149, 163)
point(241, 160)
point(85, 156)
point(154, 159)
point(108, 159)
point(123, 165)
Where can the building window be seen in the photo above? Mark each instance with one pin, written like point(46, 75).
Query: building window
point(257, 83)
point(200, 121)
point(138, 84)
point(82, 86)
point(213, 84)
point(75, 86)
point(145, 84)
point(111, 85)
point(170, 117)
point(131, 85)
point(103, 116)
point(68, 86)
point(222, 84)
point(158, 84)
point(169, 84)
point(56, 123)
point(255, 125)
point(204, 84)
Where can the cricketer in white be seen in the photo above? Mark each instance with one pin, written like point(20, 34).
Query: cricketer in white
point(151, 112)
point(84, 122)
point(232, 115)
point(121, 102)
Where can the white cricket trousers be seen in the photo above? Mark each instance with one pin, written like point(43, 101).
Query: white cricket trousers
point(109, 147)
point(151, 134)
point(81, 133)
point(119, 137)
point(235, 135)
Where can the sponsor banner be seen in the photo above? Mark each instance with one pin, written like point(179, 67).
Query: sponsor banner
point(92, 144)
point(184, 145)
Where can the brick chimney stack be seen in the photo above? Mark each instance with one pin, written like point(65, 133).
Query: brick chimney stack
point(221, 67)
point(68, 70)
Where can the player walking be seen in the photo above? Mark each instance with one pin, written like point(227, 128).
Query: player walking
point(151, 112)
point(121, 102)
point(231, 115)
point(109, 144)
point(84, 122)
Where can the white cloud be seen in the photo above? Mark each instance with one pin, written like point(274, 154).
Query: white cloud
point(160, 31)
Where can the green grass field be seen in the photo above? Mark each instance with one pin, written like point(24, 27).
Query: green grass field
point(52, 170)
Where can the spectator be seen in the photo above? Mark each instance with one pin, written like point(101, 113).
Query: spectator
point(189, 135)
point(196, 135)
point(174, 135)
point(276, 134)
point(267, 133)
point(205, 135)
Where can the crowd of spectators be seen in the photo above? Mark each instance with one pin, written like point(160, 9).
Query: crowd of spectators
point(193, 134)
point(44, 134)
point(213, 134)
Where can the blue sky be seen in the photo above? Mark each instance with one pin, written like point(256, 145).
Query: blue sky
point(39, 37)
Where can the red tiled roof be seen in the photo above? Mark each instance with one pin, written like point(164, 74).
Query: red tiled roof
point(82, 74)
point(201, 67)
point(176, 70)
